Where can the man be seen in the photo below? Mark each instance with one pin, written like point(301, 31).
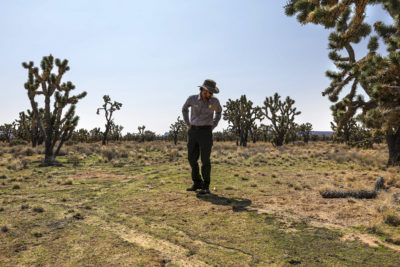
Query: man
point(202, 122)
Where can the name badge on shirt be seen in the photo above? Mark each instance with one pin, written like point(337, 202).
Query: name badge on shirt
point(196, 106)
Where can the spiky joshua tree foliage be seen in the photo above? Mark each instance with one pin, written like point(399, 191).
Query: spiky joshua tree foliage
point(281, 114)
point(55, 126)
point(241, 116)
point(376, 75)
point(177, 128)
point(109, 108)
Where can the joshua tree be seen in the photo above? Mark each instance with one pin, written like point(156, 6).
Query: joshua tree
point(291, 134)
point(265, 131)
point(177, 128)
point(27, 127)
point(109, 109)
point(96, 134)
point(281, 114)
point(23, 127)
point(7, 132)
point(55, 127)
point(304, 130)
point(116, 132)
point(241, 115)
point(82, 135)
point(377, 75)
point(141, 132)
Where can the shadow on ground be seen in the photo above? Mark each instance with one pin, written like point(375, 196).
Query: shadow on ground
point(238, 204)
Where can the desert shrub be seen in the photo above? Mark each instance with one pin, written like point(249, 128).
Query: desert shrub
point(173, 155)
point(392, 218)
point(16, 186)
point(87, 150)
point(68, 182)
point(109, 153)
point(29, 152)
point(393, 179)
point(25, 163)
point(16, 142)
point(15, 150)
point(38, 209)
point(74, 160)
point(259, 158)
point(70, 143)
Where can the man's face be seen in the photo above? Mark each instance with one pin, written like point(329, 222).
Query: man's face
point(206, 94)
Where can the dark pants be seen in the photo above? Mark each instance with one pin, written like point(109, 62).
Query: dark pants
point(199, 144)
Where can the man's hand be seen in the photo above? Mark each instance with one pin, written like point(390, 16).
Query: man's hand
point(189, 126)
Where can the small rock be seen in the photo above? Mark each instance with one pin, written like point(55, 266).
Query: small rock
point(38, 209)
point(78, 216)
point(396, 197)
point(4, 229)
point(253, 185)
point(294, 262)
point(245, 179)
point(37, 235)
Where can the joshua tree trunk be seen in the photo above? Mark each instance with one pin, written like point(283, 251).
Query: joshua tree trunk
point(49, 158)
point(393, 141)
point(34, 133)
point(105, 135)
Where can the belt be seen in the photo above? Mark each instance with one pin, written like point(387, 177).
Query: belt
point(201, 127)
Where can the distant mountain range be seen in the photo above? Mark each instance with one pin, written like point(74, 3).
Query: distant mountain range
point(322, 133)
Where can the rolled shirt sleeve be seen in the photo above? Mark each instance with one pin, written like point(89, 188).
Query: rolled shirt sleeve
point(218, 111)
point(185, 111)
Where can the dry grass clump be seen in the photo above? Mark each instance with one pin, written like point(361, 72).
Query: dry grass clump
point(370, 157)
point(68, 181)
point(4, 229)
point(393, 179)
point(391, 217)
point(17, 164)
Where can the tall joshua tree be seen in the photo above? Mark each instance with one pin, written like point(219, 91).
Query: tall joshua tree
point(109, 109)
point(141, 132)
point(241, 116)
point(376, 75)
point(281, 114)
point(177, 128)
point(55, 126)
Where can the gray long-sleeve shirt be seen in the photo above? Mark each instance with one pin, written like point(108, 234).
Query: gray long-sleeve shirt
point(202, 113)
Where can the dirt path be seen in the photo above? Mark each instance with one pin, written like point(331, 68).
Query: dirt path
point(172, 253)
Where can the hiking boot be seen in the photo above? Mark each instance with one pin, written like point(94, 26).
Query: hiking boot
point(204, 191)
point(194, 187)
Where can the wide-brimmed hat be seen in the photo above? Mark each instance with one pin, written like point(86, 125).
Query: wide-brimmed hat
point(210, 85)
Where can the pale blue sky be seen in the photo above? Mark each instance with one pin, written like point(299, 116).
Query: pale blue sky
point(151, 55)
